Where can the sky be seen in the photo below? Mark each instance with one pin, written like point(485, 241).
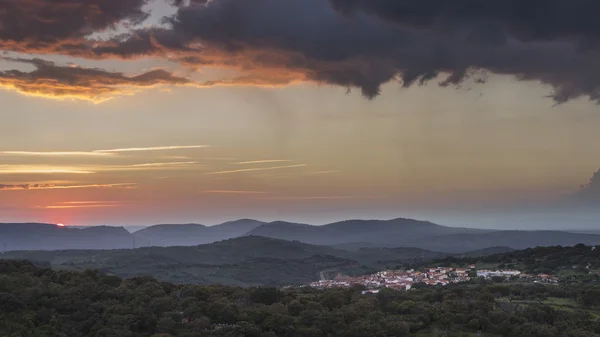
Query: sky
point(135, 112)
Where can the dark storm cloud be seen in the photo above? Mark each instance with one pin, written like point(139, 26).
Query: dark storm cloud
point(351, 43)
point(309, 40)
point(59, 26)
point(51, 80)
point(524, 19)
point(590, 192)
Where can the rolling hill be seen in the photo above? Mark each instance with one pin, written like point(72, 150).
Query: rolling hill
point(420, 234)
point(43, 236)
point(514, 239)
point(244, 261)
point(348, 235)
point(193, 234)
point(390, 233)
point(40, 236)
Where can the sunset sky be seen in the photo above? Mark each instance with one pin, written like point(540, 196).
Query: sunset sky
point(134, 112)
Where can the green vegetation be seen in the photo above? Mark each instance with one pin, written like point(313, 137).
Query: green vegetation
point(245, 261)
point(579, 263)
point(43, 302)
point(259, 261)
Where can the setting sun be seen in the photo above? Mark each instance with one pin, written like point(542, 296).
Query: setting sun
point(60, 225)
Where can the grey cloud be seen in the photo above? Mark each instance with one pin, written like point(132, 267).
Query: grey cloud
point(527, 20)
point(351, 43)
point(60, 26)
point(310, 40)
point(590, 192)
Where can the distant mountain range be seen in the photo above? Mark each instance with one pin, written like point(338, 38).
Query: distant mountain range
point(421, 234)
point(39, 236)
point(194, 234)
point(348, 235)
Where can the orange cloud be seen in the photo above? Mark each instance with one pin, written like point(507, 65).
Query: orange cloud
point(49, 80)
point(41, 169)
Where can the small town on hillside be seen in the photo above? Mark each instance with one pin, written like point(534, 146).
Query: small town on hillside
point(406, 279)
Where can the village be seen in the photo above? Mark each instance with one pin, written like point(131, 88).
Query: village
point(406, 279)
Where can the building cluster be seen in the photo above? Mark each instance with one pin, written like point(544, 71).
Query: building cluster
point(406, 279)
point(508, 274)
point(399, 279)
point(497, 273)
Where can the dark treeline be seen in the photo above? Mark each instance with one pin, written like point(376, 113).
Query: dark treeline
point(570, 262)
point(37, 301)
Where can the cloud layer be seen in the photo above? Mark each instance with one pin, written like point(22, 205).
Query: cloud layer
point(350, 43)
point(61, 27)
point(51, 80)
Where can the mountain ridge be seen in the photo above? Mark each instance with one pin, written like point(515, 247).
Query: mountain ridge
point(347, 235)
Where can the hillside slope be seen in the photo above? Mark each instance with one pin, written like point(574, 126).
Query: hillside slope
point(243, 261)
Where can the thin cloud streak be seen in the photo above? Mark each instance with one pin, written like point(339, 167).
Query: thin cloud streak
point(319, 198)
point(57, 153)
point(262, 161)
point(84, 169)
point(22, 169)
point(323, 172)
point(100, 153)
point(92, 202)
point(166, 164)
point(77, 206)
point(155, 148)
point(235, 192)
point(33, 187)
point(258, 169)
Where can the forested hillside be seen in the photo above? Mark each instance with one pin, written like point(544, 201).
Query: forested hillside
point(259, 261)
point(245, 261)
point(47, 303)
point(576, 263)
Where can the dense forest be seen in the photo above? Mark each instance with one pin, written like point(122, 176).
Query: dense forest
point(578, 263)
point(43, 302)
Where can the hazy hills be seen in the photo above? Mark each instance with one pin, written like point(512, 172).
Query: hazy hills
point(421, 234)
point(378, 233)
point(348, 235)
point(38, 236)
point(193, 234)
